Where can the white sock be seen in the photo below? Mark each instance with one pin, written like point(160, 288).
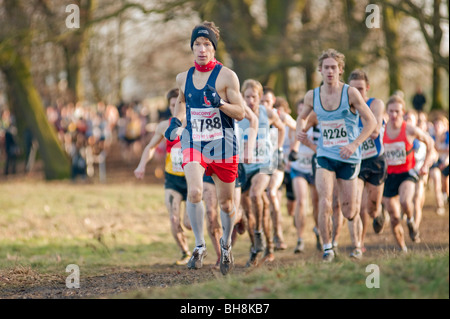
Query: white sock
point(327, 246)
point(196, 213)
point(227, 220)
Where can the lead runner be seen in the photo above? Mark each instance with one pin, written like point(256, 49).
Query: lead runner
point(210, 100)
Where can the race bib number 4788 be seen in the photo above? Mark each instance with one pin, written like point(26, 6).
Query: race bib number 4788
point(334, 133)
point(206, 124)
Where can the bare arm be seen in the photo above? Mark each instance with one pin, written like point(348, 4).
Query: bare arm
point(288, 120)
point(378, 110)
point(275, 120)
point(234, 103)
point(180, 106)
point(301, 119)
point(415, 132)
point(149, 150)
point(368, 120)
point(252, 134)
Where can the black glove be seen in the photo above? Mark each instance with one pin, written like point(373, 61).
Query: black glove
point(293, 156)
point(212, 96)
point(171, 132)
point(280, 160)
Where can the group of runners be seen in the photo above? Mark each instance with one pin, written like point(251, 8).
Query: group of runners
point(230, 148)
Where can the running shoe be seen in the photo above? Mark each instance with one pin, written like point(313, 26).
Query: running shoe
point(259, 242)
point(268, 256)
point(279, 244)
point(378, 222)
point(356, 253)
point(318, 242)
point(196, 261)
point(252, 260)
point(300, 246)
point(413, 231)
point(226, 258)
point(184, 259)
point(328, 256)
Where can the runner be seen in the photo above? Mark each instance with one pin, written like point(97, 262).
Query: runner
point(338, 155)
point(400, 185)
point(303, 181)
point(441, 143)
point(175, 183)
point(373, 171)
point(210, 101)
point(276, 179)
point(420, 152)
point(258, 173)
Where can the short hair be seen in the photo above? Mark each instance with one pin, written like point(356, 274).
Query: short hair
point(253, 84)
point(334, 54)
point(358, 74)
point(172, 93)
point(396, 99)
point(211, 25)
point(283, 104)
point(268, 89)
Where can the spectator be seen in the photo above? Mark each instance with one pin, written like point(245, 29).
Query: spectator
point(419, 100)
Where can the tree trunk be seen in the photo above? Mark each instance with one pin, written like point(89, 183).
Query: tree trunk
point(392, 48)
point(28, 104)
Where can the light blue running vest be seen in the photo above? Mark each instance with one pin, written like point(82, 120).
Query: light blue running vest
point(372, 147)
point(337, 128)
point(262, 137)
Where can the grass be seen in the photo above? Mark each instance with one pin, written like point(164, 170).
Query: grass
point(45, 226)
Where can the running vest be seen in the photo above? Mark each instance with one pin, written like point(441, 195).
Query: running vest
point(399, 152)
point(174, 158)
point(338, 128)
point(264, 147)
point(372, 147)
point(208, 129)
point(305, 154)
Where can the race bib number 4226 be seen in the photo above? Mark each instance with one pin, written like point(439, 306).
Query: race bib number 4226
point(206, 124)
point(334, 133)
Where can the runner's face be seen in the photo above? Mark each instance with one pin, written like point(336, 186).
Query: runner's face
point(395, 112)
point(203, 50)
point(268, 100)
point(410, 119)
point(252, 98)
point(330, 71)
point(172, 103)
point(361, 86)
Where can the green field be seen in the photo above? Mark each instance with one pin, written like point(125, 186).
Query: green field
point(124, 228)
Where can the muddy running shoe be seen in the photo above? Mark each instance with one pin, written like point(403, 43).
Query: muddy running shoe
point(252, 260)
point(196, 261)
point(279, 244)
point(226, 258)
point(378, 222)
point(413, 231)
point(300, 246)
point(259, 242)
point(184, 259)
point(318, 242)
point(356, 253)
point(268, 256)
point(328, 256)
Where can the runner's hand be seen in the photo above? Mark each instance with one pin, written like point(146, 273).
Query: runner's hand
point(212, 97)
point(347, 151)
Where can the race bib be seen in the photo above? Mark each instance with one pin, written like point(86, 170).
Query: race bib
point(334, 133)
point(395, 153)
point(176, 157)
point(368, 149)
point(263, 151)
point(304, 162)
point(206, 124)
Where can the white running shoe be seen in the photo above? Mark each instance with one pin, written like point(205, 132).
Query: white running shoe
point(196, 261)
